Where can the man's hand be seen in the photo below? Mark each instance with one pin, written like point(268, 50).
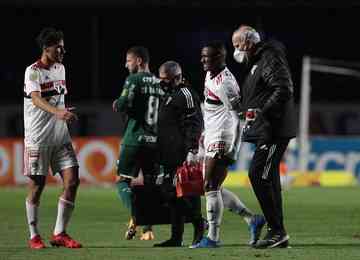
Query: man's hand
point(114, 105)
point(191, 158)
point(66, 114)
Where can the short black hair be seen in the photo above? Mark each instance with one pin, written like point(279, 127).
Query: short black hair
point(141, 52)
point(49, 36)
point(217, 46)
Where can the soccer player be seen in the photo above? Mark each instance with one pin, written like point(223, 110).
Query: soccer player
point(221, 139)
point(139, 99)
point(232, 203)
point(47, 140)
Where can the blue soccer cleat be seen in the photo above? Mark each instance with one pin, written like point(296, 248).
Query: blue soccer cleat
point(256, 224)
point(206, 243)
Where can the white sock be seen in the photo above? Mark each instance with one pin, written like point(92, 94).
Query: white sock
point(32, 218)
point(215, 209)
point(234, 204)
point(65, 209)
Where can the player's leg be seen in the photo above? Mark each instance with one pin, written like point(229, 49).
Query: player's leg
point(36, 186)
point(64, 162)
point(234, 204)
point(255, 222)
point(124, 191)
point(36, 165)
point(215, 174)
point(128, 168)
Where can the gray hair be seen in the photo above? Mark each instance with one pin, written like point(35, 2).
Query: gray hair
point(247, 33)
point(170, 68)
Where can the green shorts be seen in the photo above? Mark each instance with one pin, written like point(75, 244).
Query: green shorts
point(132, 159)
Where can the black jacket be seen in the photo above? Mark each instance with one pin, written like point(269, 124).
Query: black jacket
point(180, 124)
point(268, 86)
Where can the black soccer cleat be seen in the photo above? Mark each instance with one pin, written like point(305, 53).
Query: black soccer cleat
point(273, 239)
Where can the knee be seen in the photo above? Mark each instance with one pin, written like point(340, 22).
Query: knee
point(120, 178)
point(73, 184)
point(36, 186)
point(210, 186)
point(258, 179)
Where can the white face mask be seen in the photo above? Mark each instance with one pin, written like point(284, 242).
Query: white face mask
point(239, 55)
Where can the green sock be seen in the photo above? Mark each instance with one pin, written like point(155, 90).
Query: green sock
point(147, 228)
point(124, 192)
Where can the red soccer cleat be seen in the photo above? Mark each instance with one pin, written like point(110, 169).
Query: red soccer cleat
point(36, 242)
point(64, 240)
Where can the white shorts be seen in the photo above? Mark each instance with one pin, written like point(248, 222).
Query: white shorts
point(213, 144)
point(38, 160)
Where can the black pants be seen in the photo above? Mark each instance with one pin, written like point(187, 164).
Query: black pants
point(265, 179)
point(180, 207)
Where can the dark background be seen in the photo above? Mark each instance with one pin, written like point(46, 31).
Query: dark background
point(98, 33)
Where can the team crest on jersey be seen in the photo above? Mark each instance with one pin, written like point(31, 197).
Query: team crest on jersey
point(59, 87)
point(218, 79)
point(34, 76)
point(125, 92)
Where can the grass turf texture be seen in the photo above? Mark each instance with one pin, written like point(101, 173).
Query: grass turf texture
point(323, 223)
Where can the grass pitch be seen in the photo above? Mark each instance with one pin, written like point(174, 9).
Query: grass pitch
point(323, 223)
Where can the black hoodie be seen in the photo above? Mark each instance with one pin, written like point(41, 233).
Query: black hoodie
point(268, 86)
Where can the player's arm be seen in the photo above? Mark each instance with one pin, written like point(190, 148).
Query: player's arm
point(33, 89)
point(230, 96)
point(62, 114)
point(125, 101)
point(191, 121)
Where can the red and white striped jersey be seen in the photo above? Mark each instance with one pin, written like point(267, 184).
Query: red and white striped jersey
point(220, 92)
point(43, 128)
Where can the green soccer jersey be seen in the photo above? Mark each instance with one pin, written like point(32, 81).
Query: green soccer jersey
point(140, 100)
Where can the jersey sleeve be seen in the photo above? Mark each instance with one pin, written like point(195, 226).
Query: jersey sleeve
point(229, 93)
point(31, 81)
point(126, 99)
point(191, 120)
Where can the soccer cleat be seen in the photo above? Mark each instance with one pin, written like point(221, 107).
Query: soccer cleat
point(170, 243)
point(148, 235)
point(36, 242)
point(256, 224)
point(273, 239)
point(206, 243)
point(64, 240)
point(131, 231)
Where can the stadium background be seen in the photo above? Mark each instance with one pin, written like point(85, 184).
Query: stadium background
point(98, 33)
